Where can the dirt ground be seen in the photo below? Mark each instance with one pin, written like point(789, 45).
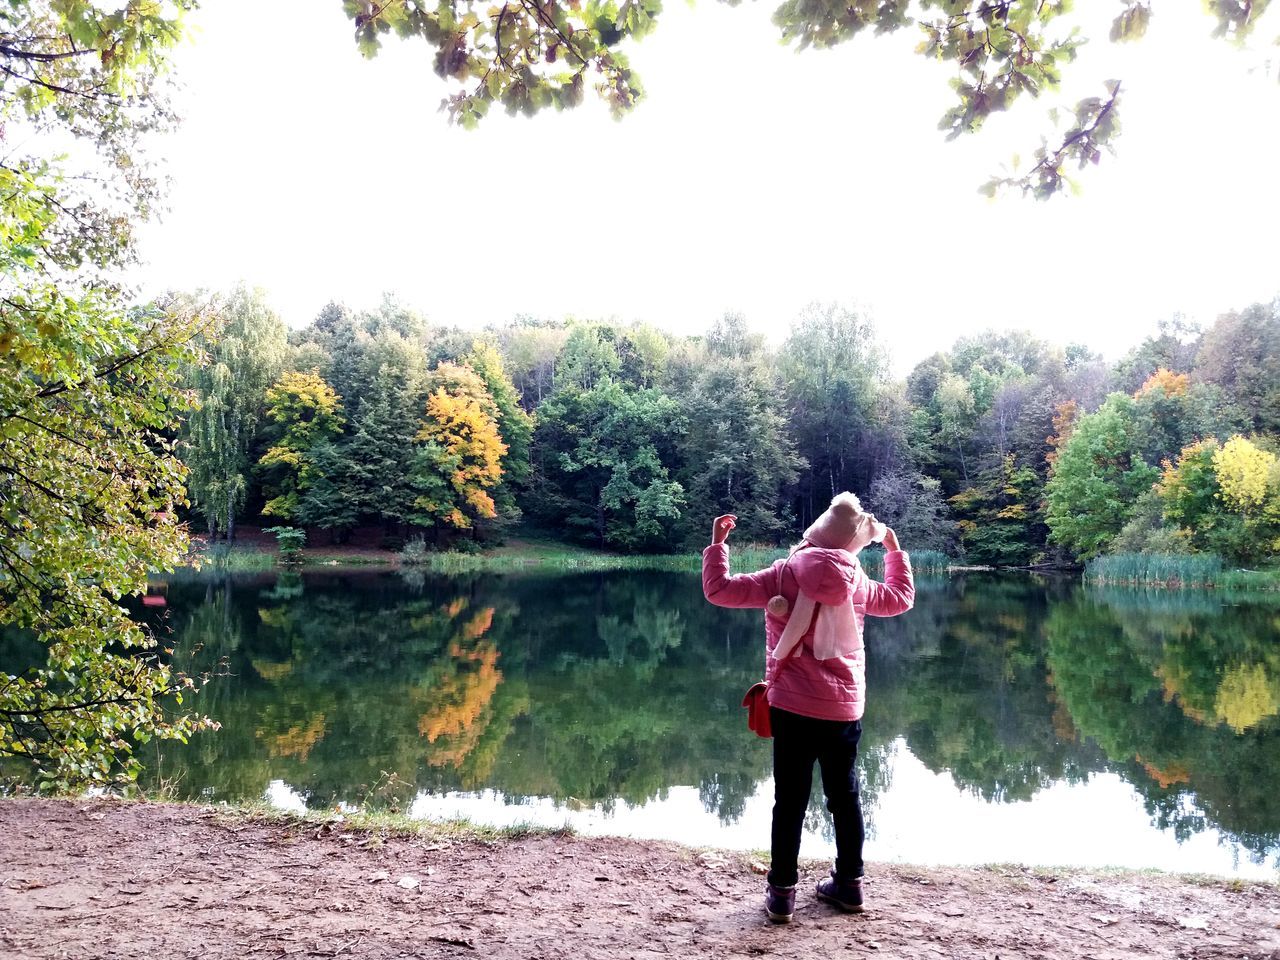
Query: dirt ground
point(104, 879)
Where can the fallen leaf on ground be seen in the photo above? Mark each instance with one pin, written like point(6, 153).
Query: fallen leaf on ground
point(758, 867)
point(379, 875)
point(1104, 919)
point(952, 912)
point(409, 883)
point(1194, 923)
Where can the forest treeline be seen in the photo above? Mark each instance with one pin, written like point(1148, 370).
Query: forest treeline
point(1000, 448)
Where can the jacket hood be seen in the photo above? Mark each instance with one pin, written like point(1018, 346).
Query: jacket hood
point(825, 575)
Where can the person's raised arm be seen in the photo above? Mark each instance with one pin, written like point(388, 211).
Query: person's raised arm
point(722, 588)
point(897, 594)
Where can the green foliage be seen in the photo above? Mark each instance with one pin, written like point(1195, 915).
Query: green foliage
point(1095, 479)
point(738, 455)
point(606, 457)
point(998, 516)
point(531, 57)
point(89, 394)
point(833, 371)
point(291, 541)
point(244, 350)
point(372, 475)
point(305, 413)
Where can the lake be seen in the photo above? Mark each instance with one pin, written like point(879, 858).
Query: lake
point(1011, 718)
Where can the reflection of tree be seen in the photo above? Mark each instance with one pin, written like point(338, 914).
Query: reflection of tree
point(1179, 693)
point(459, 703)
point(977, 708)
point(631, 692)
point(605, 687)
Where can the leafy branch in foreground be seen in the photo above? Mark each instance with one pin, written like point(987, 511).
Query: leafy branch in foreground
point(90, 483)
point(531, 54)
point(89, 489)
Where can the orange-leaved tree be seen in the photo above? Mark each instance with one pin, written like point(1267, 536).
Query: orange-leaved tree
point(460, 459)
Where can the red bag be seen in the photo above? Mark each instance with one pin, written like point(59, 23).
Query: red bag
point(757, 703)
point(756, 699)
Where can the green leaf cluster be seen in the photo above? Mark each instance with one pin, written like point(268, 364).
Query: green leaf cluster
point(529, 55)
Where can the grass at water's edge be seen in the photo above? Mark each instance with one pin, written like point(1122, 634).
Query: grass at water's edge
point(527, 554)
point(1177, 571)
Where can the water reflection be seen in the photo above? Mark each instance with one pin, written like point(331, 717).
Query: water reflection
point(606, 692)
point(1179, 691)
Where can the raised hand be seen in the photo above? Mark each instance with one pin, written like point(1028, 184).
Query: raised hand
point(721, 526)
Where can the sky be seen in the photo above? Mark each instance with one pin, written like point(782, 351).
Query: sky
point(753, 179)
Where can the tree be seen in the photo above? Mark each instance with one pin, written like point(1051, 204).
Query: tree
point(1171, 411)
point(1190, 494)
point(738, 455)
point(305, 412)
point(913, 505)
point(1173, 347)
point(459, 461)
point(589, 355)
point(245, 354)
point(326, 499)
point(529, 57)
point(1096, 478)
point(1249, 481)
point(514, 425)
point(89, 392)
point(999, 518)
point(605, 459)
point(833, 370)
point(530, 349)
point(377, 459)
point(1241, 354)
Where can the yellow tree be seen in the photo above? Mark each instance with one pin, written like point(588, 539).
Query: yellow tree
point(305, 413)
point(1243, 471)
point(1249, 483)
point(459, 462)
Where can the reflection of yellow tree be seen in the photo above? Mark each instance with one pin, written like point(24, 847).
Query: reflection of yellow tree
point(459, 697)
point(1245, 697)
point(1174, 772)
point(1174, 680)
point(297, 741)
point(271, 670)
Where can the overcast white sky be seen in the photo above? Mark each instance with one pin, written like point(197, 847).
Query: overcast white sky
point(753, 179)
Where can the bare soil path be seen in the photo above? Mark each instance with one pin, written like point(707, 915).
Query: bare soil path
point(102, 879)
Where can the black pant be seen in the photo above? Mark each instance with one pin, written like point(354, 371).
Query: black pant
point(797, 742)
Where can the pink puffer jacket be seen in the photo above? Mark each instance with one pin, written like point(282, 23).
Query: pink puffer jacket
point(832, 689)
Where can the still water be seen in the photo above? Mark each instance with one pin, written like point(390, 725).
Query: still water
point(1010, 718)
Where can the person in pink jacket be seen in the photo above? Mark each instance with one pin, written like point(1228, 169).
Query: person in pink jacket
point(815, 601)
